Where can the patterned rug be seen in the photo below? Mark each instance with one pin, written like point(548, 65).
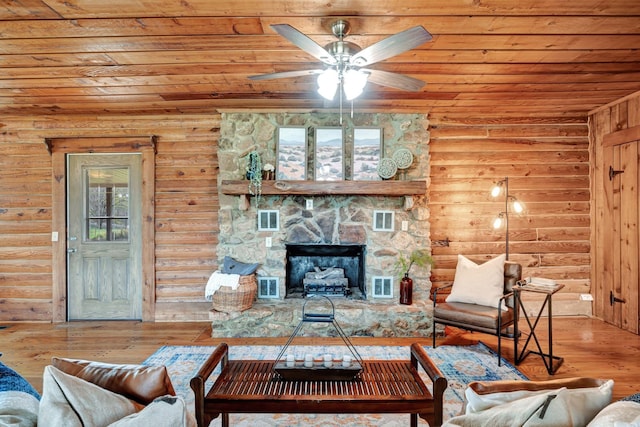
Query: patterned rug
point(459, 364)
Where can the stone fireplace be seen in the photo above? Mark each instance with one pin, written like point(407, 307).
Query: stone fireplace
point(304, 259)
point(342, 221)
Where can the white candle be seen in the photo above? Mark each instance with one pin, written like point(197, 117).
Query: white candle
point(328, 360)
point(308, 361)
point(346, 361)
point(291, 361)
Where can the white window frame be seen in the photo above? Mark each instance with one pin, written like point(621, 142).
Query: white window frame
point(268, 226)
point(380, 218)
point(382, 279)
point(275, 287)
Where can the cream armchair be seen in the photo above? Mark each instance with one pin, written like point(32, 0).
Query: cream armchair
point(493, 320)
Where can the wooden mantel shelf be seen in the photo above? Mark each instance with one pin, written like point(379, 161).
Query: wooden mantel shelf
point(334, 188)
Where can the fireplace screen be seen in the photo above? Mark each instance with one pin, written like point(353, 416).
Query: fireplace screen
point(330, 270)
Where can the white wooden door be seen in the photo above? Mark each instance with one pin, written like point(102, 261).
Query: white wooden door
point(104, 239)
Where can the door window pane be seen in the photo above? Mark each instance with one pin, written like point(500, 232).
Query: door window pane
point(107, 212)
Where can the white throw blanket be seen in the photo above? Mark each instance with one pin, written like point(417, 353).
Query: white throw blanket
point(218, 279)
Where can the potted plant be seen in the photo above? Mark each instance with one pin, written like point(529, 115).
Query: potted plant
point(419, 257)
point(254, 174)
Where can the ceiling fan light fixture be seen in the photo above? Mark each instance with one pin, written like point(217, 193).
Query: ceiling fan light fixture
point(354, 83)
point(328, 82)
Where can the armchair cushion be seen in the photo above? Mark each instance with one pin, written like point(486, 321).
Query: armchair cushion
point(480, 316)
point(478, 284)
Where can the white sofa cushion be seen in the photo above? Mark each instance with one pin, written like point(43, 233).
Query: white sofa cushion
point(618, 414)
point(560, 407)
point(166, 411)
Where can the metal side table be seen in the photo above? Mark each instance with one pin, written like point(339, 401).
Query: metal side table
point(551, 362)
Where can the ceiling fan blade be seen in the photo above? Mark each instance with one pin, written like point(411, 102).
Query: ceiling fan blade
point(395, 80)
point(391, 46)
point(303, 42)
point(286, 74)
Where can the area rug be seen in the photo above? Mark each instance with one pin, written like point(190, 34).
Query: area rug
point(459, 364)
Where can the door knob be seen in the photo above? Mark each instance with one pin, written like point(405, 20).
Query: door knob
point(71, 250)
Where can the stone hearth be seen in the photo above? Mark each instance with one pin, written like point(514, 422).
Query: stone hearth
point(355, 317)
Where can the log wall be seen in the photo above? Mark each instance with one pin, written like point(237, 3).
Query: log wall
point(547, 163)
point(186, 209)
point(546, 160)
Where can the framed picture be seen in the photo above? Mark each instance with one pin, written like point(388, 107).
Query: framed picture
point(292, 153)
point(367, 151)
point(329, 154)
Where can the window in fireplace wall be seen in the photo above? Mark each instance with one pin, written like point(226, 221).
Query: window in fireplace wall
point(382, 286)
point(268, 220)
point(268, 287)
point(383, 220)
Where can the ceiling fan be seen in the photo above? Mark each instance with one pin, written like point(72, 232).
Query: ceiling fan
point(345, 62)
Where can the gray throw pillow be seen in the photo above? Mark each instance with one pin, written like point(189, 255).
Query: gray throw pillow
point(231, 266)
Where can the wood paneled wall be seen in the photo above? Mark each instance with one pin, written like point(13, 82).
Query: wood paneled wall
point(186, 208)
point(547, 162)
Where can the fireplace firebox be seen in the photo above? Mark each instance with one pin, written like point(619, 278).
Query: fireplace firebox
point(302, 259)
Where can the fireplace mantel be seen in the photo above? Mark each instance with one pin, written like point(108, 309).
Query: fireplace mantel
point(324, 188)
point(406, 189)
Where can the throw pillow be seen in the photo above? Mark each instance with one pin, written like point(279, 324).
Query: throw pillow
point(140, 383)
point(618, 414)
point(562, 407)
point(231, 266)
point(18, 400)
point(68, 401)
point(166, 411)
point(10, 380)
point(482, 395)
point(478, 284)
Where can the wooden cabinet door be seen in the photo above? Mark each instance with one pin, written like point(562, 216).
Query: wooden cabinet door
point(621, 254)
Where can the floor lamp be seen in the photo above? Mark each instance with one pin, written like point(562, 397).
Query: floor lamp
point(502, 188)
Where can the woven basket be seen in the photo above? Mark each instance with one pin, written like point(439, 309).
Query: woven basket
point(227, 299)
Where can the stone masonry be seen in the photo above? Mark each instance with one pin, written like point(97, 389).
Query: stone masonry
point(333, 220)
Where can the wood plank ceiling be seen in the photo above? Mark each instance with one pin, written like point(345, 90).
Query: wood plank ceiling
point(507, 57)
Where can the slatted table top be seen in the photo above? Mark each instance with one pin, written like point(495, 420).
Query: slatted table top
point(256, 379)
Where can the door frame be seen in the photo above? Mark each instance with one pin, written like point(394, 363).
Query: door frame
point(59, 148)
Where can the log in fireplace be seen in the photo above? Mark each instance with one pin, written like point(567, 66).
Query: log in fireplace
point(302, 259)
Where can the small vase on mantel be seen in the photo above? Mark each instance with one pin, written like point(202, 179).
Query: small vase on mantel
point(406, 290)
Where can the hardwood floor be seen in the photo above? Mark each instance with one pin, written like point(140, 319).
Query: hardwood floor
point(590, 347)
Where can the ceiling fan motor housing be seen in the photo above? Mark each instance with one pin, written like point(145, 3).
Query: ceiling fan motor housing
point(341, 50)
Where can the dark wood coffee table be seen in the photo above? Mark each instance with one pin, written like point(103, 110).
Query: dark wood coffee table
point(384, 386)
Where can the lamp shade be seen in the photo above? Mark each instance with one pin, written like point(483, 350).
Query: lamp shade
point(328, 82)
point(354, 83)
